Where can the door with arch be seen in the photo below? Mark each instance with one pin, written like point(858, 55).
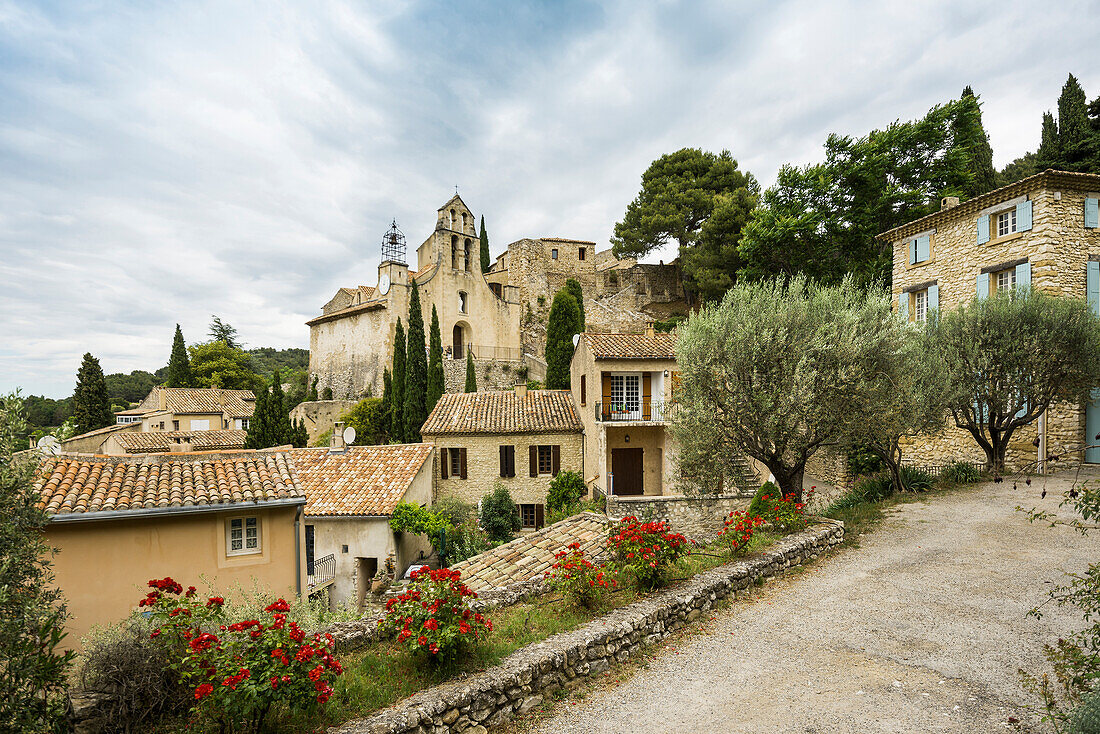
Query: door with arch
point(458, 350)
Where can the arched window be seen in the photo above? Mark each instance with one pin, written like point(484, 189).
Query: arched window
point(462, 302)
point(463, 221)
point(454, 251)
point(452, 219)
point(466, 252)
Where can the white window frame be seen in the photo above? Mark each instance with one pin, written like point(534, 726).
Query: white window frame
point(203, 425)
point(1008, 220)
point(626, 394)
point(920, 306)
point(1008, 275)
point(242, 523)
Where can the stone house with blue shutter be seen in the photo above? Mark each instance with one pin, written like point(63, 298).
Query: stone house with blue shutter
point(1043, 232)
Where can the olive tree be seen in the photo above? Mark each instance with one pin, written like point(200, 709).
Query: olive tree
point(775, 371)
point(1008, 357)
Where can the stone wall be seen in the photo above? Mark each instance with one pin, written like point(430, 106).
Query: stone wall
point(698, 518)
point(492, 374)
point(523, 680)
point(320, 415)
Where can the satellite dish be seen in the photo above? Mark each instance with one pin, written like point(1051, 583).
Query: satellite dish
point(49, 445)
point(576, 340)
point(349, 436)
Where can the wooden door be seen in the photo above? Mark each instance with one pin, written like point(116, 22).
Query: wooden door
point(626, 471)
point(1092, 427)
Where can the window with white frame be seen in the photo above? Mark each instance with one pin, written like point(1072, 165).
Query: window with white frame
point(1006, 223)
point(1005, 279)
point(203, 425)
point(242, 535)
point(920, 305)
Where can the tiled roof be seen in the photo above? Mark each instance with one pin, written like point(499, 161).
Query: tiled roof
point(365, 480)
point(147, 442)
point(540, 411)
point(81, 483)
point(234, 403)
point(631, 346)
point(531, 554)
point(101, 432)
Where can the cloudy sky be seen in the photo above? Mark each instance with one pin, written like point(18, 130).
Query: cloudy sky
point(163, 161)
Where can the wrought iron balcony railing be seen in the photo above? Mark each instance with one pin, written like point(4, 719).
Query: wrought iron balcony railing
point(323, 572)
point(642, 410)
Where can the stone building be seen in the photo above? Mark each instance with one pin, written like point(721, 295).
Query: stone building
point(1041, 232)
point(520, 438)
point(499, 317)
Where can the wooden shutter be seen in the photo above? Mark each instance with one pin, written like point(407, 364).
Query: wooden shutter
point(903, 306)
point(983, 229)
point(647, 396)
point(923, 248)
point(1023, 216)
point(606, 390)
point(534, 454)
point(912, 252)
point(675, 382)
point(444, 463)
point(1092, 286)
point(933, 297)
point(540, 516)
point(503, 461)
point(462, 463)
point(1092, 213)
point(1023, 275)
point(555, 459)
point(510, 452)
point(983, 286)
point(584, 386)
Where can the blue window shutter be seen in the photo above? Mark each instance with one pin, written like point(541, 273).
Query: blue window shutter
point(912, 252)
point(922, 248)
point(933, 297)
point(903, 305)
point(1023, 275)
point(1023, 216)
point(1092, 213)
point(1022, 411)
point(983, 286)
point(983, 229)
point(1092, 286)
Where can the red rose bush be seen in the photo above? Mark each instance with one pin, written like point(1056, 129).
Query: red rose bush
point(738, 529)
point(433, 617)
point(578, 579)
point(648, 551)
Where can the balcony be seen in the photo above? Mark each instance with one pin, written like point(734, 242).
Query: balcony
point(656, 411)
point(321, 573)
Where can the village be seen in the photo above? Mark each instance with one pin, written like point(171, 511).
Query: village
point(813, 452)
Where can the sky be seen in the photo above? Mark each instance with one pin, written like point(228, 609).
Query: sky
point(161, 162)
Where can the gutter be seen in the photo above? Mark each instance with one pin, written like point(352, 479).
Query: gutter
point(75, 517)
point(298, 551)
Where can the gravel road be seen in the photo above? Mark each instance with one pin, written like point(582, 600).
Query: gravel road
point(921, 629)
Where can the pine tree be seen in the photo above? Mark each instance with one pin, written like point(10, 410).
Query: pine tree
point(179, 365)
point(970, 135)
point(1049, 154)
point(435, 364)
point(386, 419)
point(560, 328)
point(1073, 124)
point(486, 263)
point(416, 372)
point(91, 405)
point(471, 373)
point(574, 289)
point(397, 433)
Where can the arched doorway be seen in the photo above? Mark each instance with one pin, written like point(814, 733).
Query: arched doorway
point(458, 350)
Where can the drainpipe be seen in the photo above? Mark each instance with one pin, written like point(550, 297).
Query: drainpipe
point(298, 550)
point(1043, 442)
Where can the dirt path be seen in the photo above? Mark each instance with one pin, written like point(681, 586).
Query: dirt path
point(921, 629)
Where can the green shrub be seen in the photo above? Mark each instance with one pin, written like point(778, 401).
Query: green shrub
point(916, 480)
point(765, 501)
point(961, 472)
point(566, 490)
point(863, 461)
point(499, 514)
point(465, 541)
point(409, 517)
point(596, 505)
point(454, 511)
point(1085, 719)
point(369, 421)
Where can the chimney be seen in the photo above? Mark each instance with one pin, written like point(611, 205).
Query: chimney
point(949, 202)
point(521, 390)
point(162, 398)
point(650, 329)
point(336, 443)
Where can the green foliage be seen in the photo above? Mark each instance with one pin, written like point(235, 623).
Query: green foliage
point(969, 134)
point(436, 383)
point(499, 514)
point(416, 372)
point(265, 360)
point(179, 366)
point(132, 388)
point(42, 412)
point(32, 612)
point(387, 403)
point(598, 505)
point(961, 472)
point(408, 517)
point(764, 502)
point(669, 325)
point(573, 287)
point(1070, 142)
point(560, 328)
point(1085, 719)
point(579, 581)
point(874, 488)
point(270, 424)
point(916, 480)
point(646, 552)
point(471, 373)
point(217, 364)
point(434, 618)
point(326, 394)
point(223, 332)
point(454, 511)
point(397, 432)
point(368, 418)
point(486, 261)
point(311, 395)
point(91, 406)
point(1008, 357)
point(566, 490)
point(863, 460)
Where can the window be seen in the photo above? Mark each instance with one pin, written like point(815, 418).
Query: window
point(196, 425)
point(242, 536)
point(584, 390)
point(455, 457)
point(462, 302)
point(463, 221)
point(531, 516)
point(175, 425)
point(625, 393)
point(466, 255)
point(454, 251)
point(507, 461)
point(309, 549)
point(546, 460)
point(554, 254)
point(452, 219)
point(1006, 223)
point(580, 253)
point(920, 305)
point(1005, 279)
point(241, 423)
point(452, 463)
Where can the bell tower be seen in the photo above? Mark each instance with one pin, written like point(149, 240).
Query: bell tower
point(393, 268)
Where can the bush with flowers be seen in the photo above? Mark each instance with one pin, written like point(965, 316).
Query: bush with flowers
point(738, 529)
point(433, 617)
point(647, 551)
point(579, 580)
point(788, 515)
point(239, 671)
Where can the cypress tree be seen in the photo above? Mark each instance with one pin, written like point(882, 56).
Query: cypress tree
point(574, 289)
point(300, 436)
point(91, 406)
point(971, 136)
point(179, 365)
point(435, 364)
point(486, 263)
point(1073, 123)
point(1049, 154)
point(259, 430)
point(471, 374)
point(312, 394)
point(397, 432)
point(282, 432)
point(560, 328)
point(386, 419)
point(416, 371)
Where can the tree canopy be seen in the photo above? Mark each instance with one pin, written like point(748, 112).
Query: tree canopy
point(179, 366)
point(270, 424)
point(397, 430)
point(486, 261)
point(471, 374)
point(416, 371)
point(1068, 142)
point(221, 331)
point(91, 406)
point(561, 325)
point(217, 364)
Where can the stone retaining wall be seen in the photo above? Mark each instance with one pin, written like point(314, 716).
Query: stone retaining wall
point(521, 682)
point(698, 518)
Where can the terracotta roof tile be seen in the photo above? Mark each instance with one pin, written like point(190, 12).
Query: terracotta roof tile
point(101, 432)
point(540, 411)
point(365, 480)
point(148, 442)
point(631, 346)
point(77, 483)
point(235, 403)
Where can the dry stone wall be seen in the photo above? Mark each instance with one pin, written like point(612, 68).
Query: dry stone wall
point(698, 518)
point(524, 679)
point(492, 374)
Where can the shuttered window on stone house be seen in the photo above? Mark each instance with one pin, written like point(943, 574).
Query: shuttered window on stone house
point(507, 461)
point(544, 460)
point(1092, 212)
point(452, 463)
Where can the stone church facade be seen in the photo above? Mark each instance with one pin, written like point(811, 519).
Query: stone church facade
point(499, 316)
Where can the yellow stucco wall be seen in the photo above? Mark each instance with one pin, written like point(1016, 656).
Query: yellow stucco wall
point(102, 567)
